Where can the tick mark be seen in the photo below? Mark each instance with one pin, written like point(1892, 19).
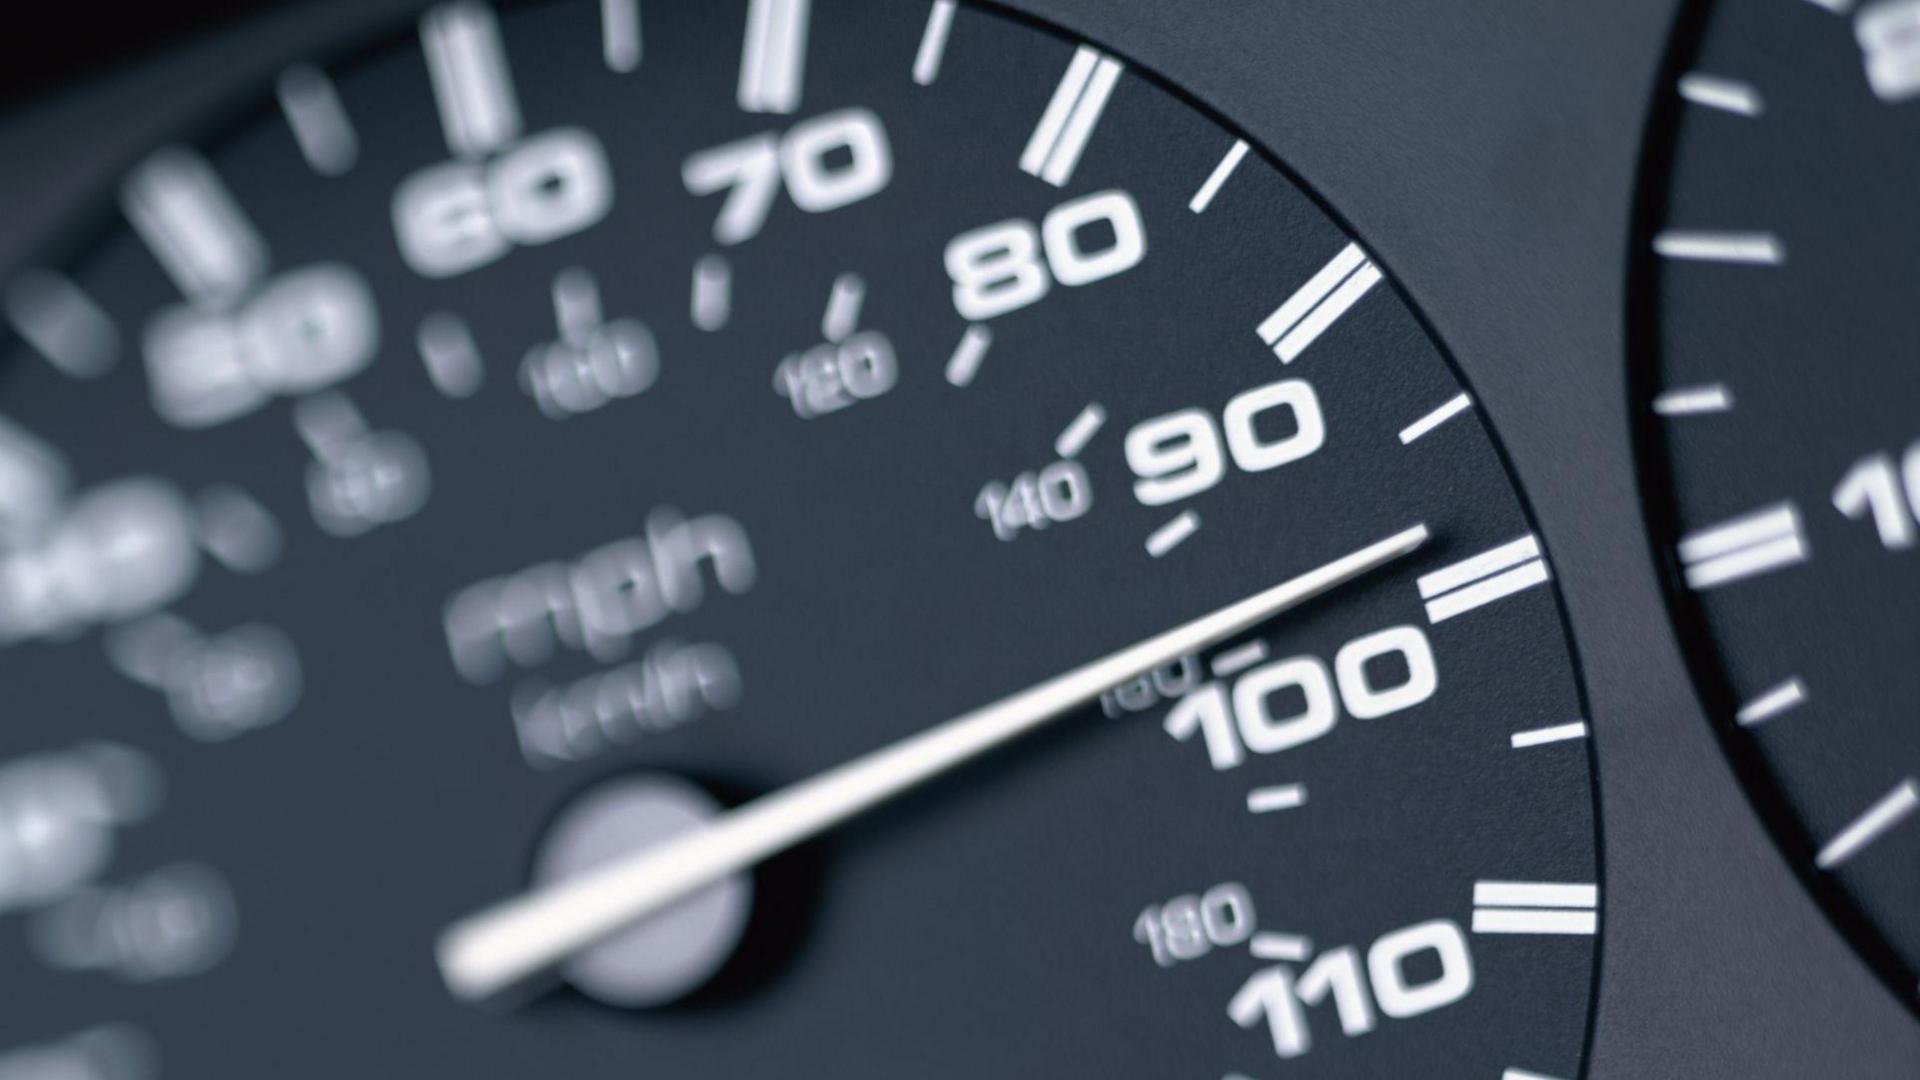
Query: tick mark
point(1455, 405)
point(1265, 800)
point(1889, 810)
point(63, 324)
point(1765, 540)
point(1482, 579)
point(193, 227)
point(1274, 945)
point(933, 42)
point(1061, 136)
point(452, 359)
point(320, 126)
point(236, 530)
point(843, 307)
point(1172, 534)
point(1204, 197)
point(1694, 400)
point(1738, 248)
point(774, 56)
point(1788, 695)
point(1081, 432)
point(965, 362)
point(1556, 733)
point(1727, 95)
point(1535, 907)
point(1315, 306)
point(620, 34)
point(472, 85)
point(576, 305)
point(712, 292)
point(1238, 659)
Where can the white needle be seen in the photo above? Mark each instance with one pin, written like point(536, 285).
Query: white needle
point(496, 949)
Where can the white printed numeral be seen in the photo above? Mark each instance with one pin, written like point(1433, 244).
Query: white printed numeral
point(1280, 997)
point(501, 190)
point(832, 376)
point(304, 330)
point(1889, 37)
point(1053, 495)
point(359, 479)
point(1189, 927)
point(805, 157)
point(461, 215)
point(122, 549)
point(244, 337)
point(594, 360)
point(997, 268)
point(1232, 724)
point(1874, 487)
point(1180, 455)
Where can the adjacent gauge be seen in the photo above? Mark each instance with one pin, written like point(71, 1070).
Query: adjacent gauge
point(509, 446)
point(1780, 401)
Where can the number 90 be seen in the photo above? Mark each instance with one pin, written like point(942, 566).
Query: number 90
point(1180, 455)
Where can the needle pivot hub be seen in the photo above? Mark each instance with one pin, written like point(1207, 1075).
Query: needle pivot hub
point(674, 952)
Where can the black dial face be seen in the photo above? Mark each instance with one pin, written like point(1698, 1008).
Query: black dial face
point(519, 441)
point(1782, 406)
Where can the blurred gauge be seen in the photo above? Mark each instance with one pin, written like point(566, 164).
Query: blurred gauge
point(1781, 413)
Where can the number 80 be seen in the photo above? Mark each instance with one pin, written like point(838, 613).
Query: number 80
point(997, 268)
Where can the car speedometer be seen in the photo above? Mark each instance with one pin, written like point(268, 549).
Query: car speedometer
point(517, 442)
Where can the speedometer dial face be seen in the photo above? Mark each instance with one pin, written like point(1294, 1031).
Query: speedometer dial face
point(507, 447)
point(1781, 403)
